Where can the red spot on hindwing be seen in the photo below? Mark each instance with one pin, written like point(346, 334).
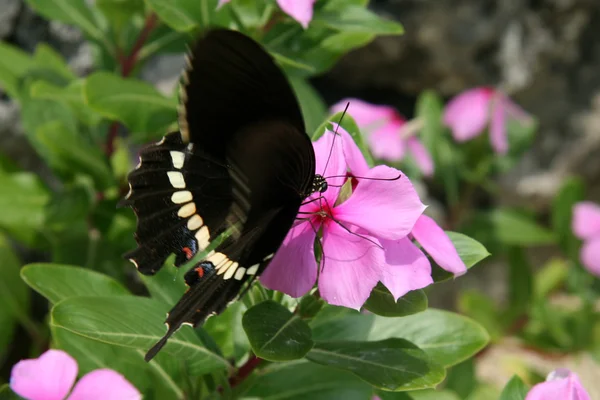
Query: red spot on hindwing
point(188, 252)
point(200, 271)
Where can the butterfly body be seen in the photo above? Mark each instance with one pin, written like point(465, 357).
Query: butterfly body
point(242, 162)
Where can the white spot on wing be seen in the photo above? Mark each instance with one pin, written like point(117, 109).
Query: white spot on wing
point(268, 257)
point(224, 266)
point(253, 269)
point(187, 210)
point(230, 271)
point(203, 237)
point(239, 274)
point(216, 259)
point(134, 263)
point(176, 179)
point(177, 158)
point(182, 196)
point(195, 222)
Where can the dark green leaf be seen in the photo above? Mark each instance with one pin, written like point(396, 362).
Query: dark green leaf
point(167, 285)
point(391, 364)
point(381, 302)
point(14, 64)
point(429, 110)
point(431, 394)
point(572, 192)
point(136, 104)
point(228, 333)
point(119, 11)
point(70, 152)
point(310, 306)
point(515, 389)
point(340, 323)
point(134, 322)
point(514, 228)
point(299, 381)
point(75, 12)
point(72, 95)
point(313, 107)
point(356, 19)
point(7, 394)
point(469, 250)
point(186, 15)
point(23, 199)
point(448, 338)
point(462, 379)
point(58, 282)
point(520, 283)
point(14, 294)
point(275, 333)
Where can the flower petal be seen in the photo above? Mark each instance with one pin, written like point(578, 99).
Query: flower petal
point(561, 384)
point(586, 220)
point(498, 136)
point(590, 255)
point(300, 10)
point(357, 164)
point(386, 143)
point(438, 245)
point(387, 209)
point(406, 267)
point(104, 384)
point(467, 114)
point(366, 115)
point(48, 377)
point(350, 268)
point(331, 163)
point(293, 270)
point(421, 156)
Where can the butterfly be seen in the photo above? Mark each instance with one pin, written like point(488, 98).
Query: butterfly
point(241, 162)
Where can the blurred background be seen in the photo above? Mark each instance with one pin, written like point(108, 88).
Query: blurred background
point(545, 54)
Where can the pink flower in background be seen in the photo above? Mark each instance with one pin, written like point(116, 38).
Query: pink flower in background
point(560, 384)
point(469, 113)
point(365, 238)
point(51, 376)
point(586, 226)
point(300, 10)
point(382, 125)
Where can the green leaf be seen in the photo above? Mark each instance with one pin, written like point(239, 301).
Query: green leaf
point(14, 295)
point(59, 282)
point(513, 228)
point(71, 95)
point(313, 107)
point(276, 334)
point(429, 110)
point(520, 283)
point(136, 104)
point(48, 58)
point(340, 323)
point(186, 15)
point(571, 192)
point(356, 19)
point(431, 394)
point(462, 379)
point(23, 199)
point(303, 380)
point(482, 309)
point(391, 364)
point(7, 394)
point(515, 389)
point(133, 322)
point(381, 302)
point(68, 152)
point(119, 11)
point(448, 338)
point(469, 250)
point(310, 306)
point(14, 64)
point(75, 12)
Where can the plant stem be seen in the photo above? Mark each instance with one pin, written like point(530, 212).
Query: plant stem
point(245, 370)
point(128, 63)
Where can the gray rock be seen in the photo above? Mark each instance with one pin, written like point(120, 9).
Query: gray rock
point(164, 71)
point(9, 9)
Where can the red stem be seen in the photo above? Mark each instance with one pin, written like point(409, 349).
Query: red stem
point(245, 370)
point(127, 65)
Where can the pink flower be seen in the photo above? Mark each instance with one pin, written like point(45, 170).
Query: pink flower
point(300, 10)
point(560, 384)
point(586, 226)
point(51, 376)
point(383, 125)
point(365, 237)
point(469, 113)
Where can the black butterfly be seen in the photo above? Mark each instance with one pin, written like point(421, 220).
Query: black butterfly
point(242, 160)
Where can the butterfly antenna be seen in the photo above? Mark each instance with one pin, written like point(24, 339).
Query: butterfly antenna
point(363, 177)
point(334, 136)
